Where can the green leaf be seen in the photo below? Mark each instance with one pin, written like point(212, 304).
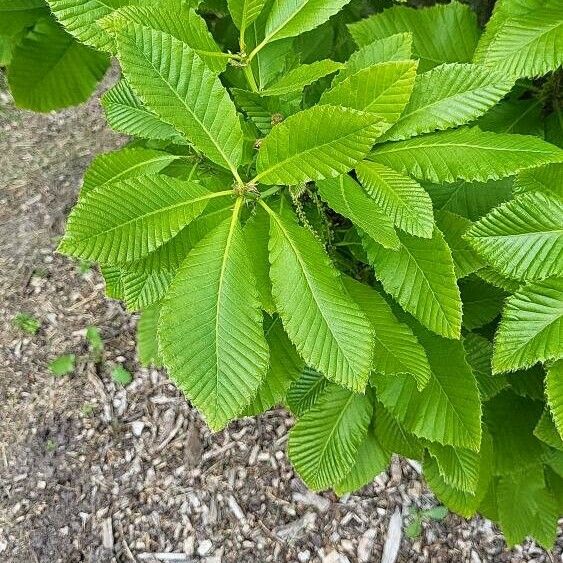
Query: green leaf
point(523, 39)
point(459, 467)
point(217, 355)
point(172, 253)
point(144, 289)
point(121, 376)
point(147, 341)
point(303, 148)
point(523, 238)
point(285, 367)
point(371, 460)
point(123, 164)
point(436, 31)
point(112, 279)
point(125, 113)
point(49, 70)
point(256, 234)
point(531, 325)
point(134, 218)
point(511, 420)
point(547, 179)
point(466, 154)
point(478, 352)
point(401, 197)
point(527, 508)
point(383, 89)
point(176, 19)
point(448, 409)
point(396, 348)
point(482, 302)
point(420, 276)
point(324, 443)
point(293, 17)
point(327, 327)
point(470, 199)
point(347, 197)
point(447, 96)
point(453, 226)
point(305, 391)
point(303, 75)
point(396, 47)
point(63, 365)
point(515, 116)
point(554, 394)
point(393, 436)
point(258, 109)
point(80, 18)
point(546, 431)
point(173, 81)
point(462, 502)
point(244, 12)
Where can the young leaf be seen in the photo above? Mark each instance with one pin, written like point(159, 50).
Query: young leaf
point(285, 367)
point(530, 330)
point(401, 197)
point(421, 277)
point(326, 326)
point(147, 342)
point(371, 460)
point(126, 114)
point(436, 31)
point(296, 79)
point(121, 376)
point(466, 154)
point(303, 148)
point(244, 12)
point(554, 393)
point(449, 95)
point(49, 70)
point(346, 197)
point(217, 355)
point(135, 217)
point(448, 409)
point(63, 365)
point(453, 226)
point(324, 442)
point(396, 47)
point(396, 348)
point(306, 390)
point(123, 164)
point(293, 17)
point(173, 81)
point(383, 89)
point(523, 39)
point(523, 238)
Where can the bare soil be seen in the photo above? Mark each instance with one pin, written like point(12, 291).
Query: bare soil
point(91, 471)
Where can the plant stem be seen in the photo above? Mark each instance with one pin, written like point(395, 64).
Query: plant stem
point(250, 78)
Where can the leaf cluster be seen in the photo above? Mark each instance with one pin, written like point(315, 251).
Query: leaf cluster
point(355, 215)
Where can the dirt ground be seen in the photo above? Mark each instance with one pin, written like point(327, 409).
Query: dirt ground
point(91, 471)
